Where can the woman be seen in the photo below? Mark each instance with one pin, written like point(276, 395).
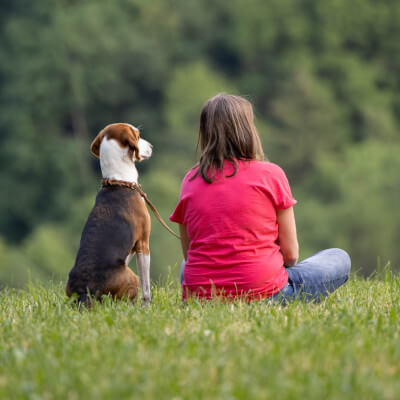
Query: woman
point(236, 218)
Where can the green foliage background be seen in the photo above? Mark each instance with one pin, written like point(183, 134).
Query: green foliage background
point(324, 78)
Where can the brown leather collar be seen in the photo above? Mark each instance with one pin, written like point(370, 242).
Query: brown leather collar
point(114, 182)
point(135, 186)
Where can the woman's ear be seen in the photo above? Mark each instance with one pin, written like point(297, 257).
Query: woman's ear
point(95, 146)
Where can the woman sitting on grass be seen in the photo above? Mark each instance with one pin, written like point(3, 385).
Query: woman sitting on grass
point(236, 218)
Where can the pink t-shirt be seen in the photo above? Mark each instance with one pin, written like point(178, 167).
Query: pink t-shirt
point(233, 231)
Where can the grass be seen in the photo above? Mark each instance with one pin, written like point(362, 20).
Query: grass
point(347, 347)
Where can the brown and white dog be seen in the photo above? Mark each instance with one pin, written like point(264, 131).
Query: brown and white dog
point(118, 225)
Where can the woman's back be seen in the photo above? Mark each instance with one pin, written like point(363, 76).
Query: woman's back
point(232, 225)
point(236, 218)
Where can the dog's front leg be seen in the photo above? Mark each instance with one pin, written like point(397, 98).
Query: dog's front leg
point(143, 265)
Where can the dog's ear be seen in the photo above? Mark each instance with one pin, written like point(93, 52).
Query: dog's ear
point(95, 146)
point(133, 143)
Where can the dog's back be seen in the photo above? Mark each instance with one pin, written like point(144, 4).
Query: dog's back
point(106, 241)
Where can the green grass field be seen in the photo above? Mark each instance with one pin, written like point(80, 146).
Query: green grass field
point(347, 347)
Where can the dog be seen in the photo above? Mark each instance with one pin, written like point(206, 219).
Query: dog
point(118, 225)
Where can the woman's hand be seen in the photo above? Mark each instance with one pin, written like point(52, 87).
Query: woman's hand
point(287, 236)
point(185, 241)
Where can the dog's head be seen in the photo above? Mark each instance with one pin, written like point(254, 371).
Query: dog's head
point(127, 136)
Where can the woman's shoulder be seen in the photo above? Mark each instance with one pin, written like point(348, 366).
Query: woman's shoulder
point(188, 180)
point(189, 174)
point(267, 167)
point(254, 167)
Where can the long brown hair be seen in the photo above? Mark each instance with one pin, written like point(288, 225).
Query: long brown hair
point(227, 132)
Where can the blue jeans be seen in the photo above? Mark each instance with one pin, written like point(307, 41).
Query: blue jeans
point(313, 278)
point(317, 276)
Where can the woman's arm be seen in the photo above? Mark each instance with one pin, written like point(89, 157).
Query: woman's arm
point(185, 241)
point(287, 236)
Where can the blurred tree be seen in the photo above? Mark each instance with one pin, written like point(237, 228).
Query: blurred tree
point(163, 189)
point(307, 122)
point(361, 214)
point(84, 71)
point(324, 78)
point(189, 88)
point(44, 255)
